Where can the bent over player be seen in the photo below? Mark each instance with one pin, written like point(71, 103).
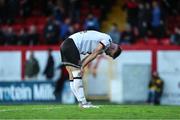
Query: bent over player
point(86, 42)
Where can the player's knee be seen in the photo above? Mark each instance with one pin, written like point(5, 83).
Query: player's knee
point(77, 79)
point(69, 73)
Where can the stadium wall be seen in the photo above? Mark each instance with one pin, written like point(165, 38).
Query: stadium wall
point(135, 61)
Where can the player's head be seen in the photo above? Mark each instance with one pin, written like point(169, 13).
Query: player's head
point(113, 51)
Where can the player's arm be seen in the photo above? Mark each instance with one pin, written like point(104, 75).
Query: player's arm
point(84, 58)
point(93, 55)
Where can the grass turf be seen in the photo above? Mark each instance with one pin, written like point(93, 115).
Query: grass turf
point(74, 112)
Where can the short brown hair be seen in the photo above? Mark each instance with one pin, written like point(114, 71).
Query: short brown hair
point(117, 53)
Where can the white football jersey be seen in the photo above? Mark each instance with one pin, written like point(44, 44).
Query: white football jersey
point(87, 41)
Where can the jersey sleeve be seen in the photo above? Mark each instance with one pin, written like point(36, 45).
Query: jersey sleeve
point(106, 41)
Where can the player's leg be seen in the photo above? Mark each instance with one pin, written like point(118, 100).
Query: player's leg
point(79, 88)
point(78, 84)
point(71, 80)
point(71, 58)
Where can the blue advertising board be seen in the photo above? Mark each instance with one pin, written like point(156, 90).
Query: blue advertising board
point(23, 92)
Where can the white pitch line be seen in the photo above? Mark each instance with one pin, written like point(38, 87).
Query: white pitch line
point(22, 109)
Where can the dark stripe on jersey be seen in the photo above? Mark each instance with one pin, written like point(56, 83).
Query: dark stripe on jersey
point(110, 41)
point(102, 45)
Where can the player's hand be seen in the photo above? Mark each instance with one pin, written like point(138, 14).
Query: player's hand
point(82, 71)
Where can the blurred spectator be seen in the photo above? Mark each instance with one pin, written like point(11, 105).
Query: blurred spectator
point(49, 69)
point(58, 13)
point(77, 27)
point(25, 8)
point(74, 9)
point(71, 30)
point(148, 13)
point(10, 37)
point(132, 10)
point(175, 38)
point(2, 4)
point(64, 30)
point(91, 23)
point(23, 37)
point(114, 33)
point(51, 31)
point(177, 6)
point(155, 89)
point(2, 41)
point(49, 7)
point(148, 16)
point(60, 81)
point(142, 21)
point(11, 10)
point(128, 36)
point(157, 22)
point(31, 67)
point(33, 36)
point(172, 6)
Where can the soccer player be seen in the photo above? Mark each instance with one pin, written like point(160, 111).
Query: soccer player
point(89, 42)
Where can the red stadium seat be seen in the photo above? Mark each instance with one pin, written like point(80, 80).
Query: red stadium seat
point(85, 3)
point(17, 27)
point(140, 42)
point(40, 28)
point(96, 12)
point(41, 20)
point(31, 21)
point(165, 41)
point(3, 26)
point(84, 11)
point(152, 41)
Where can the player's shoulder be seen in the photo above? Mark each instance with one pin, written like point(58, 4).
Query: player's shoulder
point(101, 35)
point(94, 33)
point(107, 37)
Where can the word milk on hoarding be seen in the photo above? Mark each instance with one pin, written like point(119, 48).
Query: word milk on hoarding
point(43, 91)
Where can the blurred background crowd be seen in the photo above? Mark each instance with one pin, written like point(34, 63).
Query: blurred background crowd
point(49, 22)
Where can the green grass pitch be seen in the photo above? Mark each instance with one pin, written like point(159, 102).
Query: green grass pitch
point(74, 112)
